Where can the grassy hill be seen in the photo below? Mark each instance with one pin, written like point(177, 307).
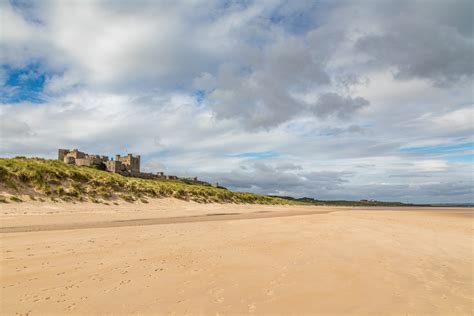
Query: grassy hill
point(42, 179)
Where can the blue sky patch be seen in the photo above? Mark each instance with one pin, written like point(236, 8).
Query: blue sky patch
point(200, 95)
point(439, 149)
point(298, 21)
point(256, 155)
point(22, 84)
point(461, 158)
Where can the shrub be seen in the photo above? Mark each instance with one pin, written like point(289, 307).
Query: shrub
point(104, 192)
point(60, 191)
point(127, 197)
point(73, 192)
point(15, 199)
point(181, 194)
point(66, 198)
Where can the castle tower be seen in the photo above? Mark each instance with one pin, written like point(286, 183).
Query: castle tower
point(62, 153)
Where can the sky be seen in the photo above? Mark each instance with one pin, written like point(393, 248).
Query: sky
point(323, 99)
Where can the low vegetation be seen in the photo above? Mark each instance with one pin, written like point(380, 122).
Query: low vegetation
point(41, 178)
point(312, 201)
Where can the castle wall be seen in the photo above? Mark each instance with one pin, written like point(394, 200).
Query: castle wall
point(97, 158)
point(116, 167)
point(83, 162)
point(127, 165)
point(112, 166)
point(75, 154)
point(69, 160)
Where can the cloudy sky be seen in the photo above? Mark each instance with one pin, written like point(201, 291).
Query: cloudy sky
point(326, 99)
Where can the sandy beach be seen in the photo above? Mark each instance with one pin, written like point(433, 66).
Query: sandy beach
point(170, 257)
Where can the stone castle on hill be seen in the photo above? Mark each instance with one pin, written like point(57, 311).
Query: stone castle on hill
point(128, 166)
point(124, 165)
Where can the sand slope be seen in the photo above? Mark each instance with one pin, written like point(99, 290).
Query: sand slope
point(361, 262)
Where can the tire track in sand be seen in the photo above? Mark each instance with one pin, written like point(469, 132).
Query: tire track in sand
point(159, 221)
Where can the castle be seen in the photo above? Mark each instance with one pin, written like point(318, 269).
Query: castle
point(124, 165)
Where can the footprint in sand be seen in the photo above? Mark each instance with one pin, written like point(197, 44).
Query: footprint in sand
point(252, 308)
point(219, 300)
point(71, 307)
point(68, 287)
point(99, 279)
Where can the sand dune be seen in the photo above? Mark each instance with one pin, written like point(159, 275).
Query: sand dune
point(327, 261)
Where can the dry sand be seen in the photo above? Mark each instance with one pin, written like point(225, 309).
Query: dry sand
point(172, 257)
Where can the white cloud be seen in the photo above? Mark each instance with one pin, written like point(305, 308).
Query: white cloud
point(461, 119)
point(277, 78)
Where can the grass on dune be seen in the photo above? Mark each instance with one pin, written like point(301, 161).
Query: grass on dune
point(59, 181)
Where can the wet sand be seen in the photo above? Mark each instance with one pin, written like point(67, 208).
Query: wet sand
point(172, 257)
